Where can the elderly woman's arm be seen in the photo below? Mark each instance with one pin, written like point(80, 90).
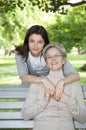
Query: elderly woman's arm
point(78, 112)
point(76, 105)
point(34, 103)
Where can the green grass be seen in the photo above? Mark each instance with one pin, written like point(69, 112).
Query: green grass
point(8, 71)
point(9, 75)
point(78, 61)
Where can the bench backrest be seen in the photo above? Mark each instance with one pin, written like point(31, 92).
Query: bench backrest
point(11, 101)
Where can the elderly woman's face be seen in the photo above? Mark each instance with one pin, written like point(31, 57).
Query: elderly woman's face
point(54, 59)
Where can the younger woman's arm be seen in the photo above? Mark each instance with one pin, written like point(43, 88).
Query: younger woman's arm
point(26, 77)
point(70, 73)
point(70, 76)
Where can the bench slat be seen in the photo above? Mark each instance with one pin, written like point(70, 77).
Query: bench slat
point(17, 116)
point(10, 115)
point(16, 124)
point(28, 124)
point(14, 94)
point(11, 105)
point(13, 87)
point(20, 91)
point(84, 91)
point(79, 125)
point(83, 87)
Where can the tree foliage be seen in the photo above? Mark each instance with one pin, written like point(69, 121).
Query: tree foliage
point(70, 29)
point(55, 5)
point(44, 5)
point(15, 22)
point(17, 15)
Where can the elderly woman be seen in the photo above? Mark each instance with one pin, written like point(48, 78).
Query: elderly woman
point(48, 112)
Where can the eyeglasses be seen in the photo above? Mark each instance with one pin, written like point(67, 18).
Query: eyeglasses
point(54, 56)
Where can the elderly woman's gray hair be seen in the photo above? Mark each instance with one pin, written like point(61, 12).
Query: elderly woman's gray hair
point(60, 47)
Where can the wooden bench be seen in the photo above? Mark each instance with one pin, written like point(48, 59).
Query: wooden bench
point(11, 101)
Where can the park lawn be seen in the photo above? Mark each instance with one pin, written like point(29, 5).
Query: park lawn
point(8, 71)
point(78, 61)
point(9, 75)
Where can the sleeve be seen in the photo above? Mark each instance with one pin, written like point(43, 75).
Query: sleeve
point(35, 102)
point(77, 107)
point(21, 65)
point(68, 69)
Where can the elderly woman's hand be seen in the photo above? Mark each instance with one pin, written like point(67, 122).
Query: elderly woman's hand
point(50, 88)
point(59, 89)
point(64, 97)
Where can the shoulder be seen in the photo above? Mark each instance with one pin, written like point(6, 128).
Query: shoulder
point(74, 86)
point(19, 57)
point(17, 54)
point(75, 83)
point(67, 63)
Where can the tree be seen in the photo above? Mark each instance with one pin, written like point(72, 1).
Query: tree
point(47, 5)
point(56, 5)
point(70, 29)
point(13, 25)
point(15, 20)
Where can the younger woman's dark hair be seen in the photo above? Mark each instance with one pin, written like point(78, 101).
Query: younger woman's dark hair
point(35, 29)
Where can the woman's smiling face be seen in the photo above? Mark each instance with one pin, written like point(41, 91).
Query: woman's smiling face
point(36, 44)
point(54, 59)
